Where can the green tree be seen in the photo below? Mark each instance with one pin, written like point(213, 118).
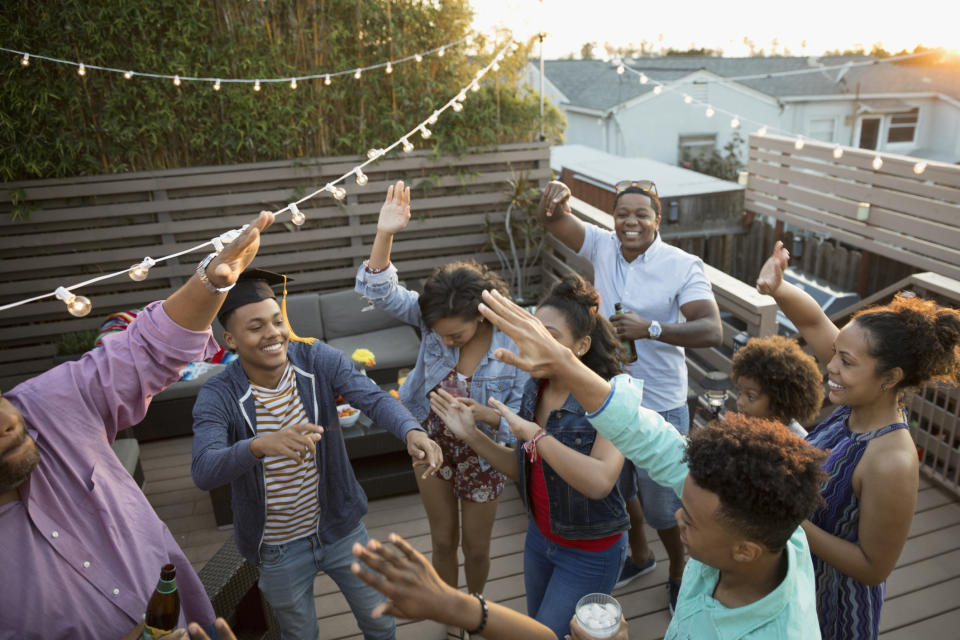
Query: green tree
point(56, 123)
point(725, 165)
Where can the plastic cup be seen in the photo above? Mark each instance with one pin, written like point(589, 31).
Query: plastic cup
point(599, 615)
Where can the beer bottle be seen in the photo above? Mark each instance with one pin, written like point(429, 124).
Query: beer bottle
point(629, 349)
point(163, 610)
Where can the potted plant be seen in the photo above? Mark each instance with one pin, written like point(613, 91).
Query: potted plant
point(518, 241)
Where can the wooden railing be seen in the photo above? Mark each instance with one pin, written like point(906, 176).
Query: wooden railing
point(742, 307)
point(910, 217)
point(81, 227)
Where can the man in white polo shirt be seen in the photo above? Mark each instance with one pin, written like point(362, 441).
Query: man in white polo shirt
point(668, 304)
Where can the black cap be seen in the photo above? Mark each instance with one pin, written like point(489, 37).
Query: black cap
point(253, 285)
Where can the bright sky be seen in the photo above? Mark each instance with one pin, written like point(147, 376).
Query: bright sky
point(823, 24)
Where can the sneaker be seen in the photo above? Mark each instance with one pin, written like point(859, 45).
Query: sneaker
point(674, 588)
point(631, 570)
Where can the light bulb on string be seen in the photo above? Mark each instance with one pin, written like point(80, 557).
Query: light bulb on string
point(78, 306)
point(361, 176)
point(139, 272)
point(389, 68)
point(457, 106)
point(293, 83)
point(326, 80)
point(837, 152)
point(644, 79)
point(709, 112)
point(657, 90)
point(441, 52)
point(418, 58)
point(25, 60)
point(407, 145)
point(474, 86)
point(339, 193)
point(128, 74)
point(176, 81)
point(799, 143)
point(216, 85)
point(372, 154)
point(877, 163)
point(920, 167)
point(424, 132)
point(495, 66)
point(297, 217)
point(762, 131)
point(256, 85)
point(81, 70)
point(735, 123)
point(688, 99)
point(357, 74)
point(433, 118)
point(620, 70)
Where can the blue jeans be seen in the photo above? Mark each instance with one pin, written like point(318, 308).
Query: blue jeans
point(287, 572)
point(660, 503)
point(556, 577)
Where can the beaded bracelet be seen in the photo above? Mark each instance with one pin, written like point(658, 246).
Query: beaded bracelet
point(483, 620)
point(530, 446)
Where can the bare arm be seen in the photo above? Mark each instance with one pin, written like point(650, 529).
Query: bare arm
point(702, 328)
point(887, 501)
point(803, 311)
point(592, 475)
point(192, 306)
point(415, 590)
point(555, 213)
point(459, 419)
point(394, 216)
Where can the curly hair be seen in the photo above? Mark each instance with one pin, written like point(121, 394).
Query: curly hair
point(785, 372)
point(916, 335)
point(579, 303)
point(453, 291)
point(767, 478)
point(654, 199)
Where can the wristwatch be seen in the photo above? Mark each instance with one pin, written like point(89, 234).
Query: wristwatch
point(654, 330)
point(202, 274)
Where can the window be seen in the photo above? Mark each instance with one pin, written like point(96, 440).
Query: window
point(903, 126)
point(869, 133)
point(822, 129)
point(697, 145)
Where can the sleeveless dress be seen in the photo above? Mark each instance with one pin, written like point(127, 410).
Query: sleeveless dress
point(848, 609)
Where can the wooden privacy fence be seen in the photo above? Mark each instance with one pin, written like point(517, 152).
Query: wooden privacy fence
point(742, 308)
point(81, 227)
point(912, 218)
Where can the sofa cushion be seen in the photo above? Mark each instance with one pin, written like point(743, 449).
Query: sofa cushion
point(303, 311)
point(393, 347)
point(189, 388)
point(342, 316)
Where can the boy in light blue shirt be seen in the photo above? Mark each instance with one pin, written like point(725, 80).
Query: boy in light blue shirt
point(746, 484)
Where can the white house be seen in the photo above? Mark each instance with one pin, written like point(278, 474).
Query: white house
point(911, 109)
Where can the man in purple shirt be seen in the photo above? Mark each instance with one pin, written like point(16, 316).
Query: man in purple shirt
point(81, 547)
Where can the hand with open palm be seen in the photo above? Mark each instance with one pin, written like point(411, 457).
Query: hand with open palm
point(771, 274)
point(395, 212)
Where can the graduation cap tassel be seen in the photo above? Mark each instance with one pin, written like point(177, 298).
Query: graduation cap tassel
point(286, 321)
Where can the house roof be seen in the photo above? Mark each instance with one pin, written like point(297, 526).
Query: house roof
point(606, 170)
point(595, 84)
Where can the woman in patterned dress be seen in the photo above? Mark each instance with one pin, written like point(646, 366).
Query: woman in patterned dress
point(872, 466)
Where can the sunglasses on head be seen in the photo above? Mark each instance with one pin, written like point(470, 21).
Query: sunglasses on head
point(642, 185)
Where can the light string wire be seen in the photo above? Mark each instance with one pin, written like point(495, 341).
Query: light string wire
point(373, 155)
point(27, 57)
point(737, 120)
point(778, 74)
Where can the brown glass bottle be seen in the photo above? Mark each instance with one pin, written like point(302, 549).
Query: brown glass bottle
point(629, 349)
point(163, 610)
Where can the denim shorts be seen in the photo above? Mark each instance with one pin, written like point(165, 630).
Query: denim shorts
point(660, 503)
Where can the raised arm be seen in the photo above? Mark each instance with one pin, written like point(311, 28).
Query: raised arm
point(803, 311)
point(555, 213)
point(394, 216)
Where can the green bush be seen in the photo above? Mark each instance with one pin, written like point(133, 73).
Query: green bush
point(55, 123)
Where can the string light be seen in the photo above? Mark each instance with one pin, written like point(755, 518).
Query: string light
point(357, 74)
point(418, 58)
point(128, 74)
point(644, 79)
point(709, 112)
point(798, 144)
point(176, 81)
point(735, 123)
point(216, 85)
point(457, 107)
point(361, 176)
point(81, 70)
point(688, 99)
point(25, 60)
point(762, 131)
point(326, 80)
point(920, 167)
point(78, 306)
point(297, 217)
point(657, 90)
point(877, 163)
point(256, 86)
point(373, 154)
point(496, 66)
point(620, 70)
point(140, 271)
point(441, 52)
point(293, 83)
point(389, 68)
point(475, 86)
point(838, 152)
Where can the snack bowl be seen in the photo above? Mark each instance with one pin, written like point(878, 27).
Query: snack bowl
point(599, 615)
point(348, 415)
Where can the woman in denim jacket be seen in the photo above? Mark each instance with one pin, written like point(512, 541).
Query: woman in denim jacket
point(576, 540)
point(456, 354)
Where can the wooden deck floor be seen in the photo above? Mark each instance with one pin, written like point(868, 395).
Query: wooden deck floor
point(922, 593)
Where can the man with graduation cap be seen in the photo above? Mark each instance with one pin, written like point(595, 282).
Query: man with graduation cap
point(268, 426)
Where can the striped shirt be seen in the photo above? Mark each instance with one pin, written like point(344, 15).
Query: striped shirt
point(293, 507)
